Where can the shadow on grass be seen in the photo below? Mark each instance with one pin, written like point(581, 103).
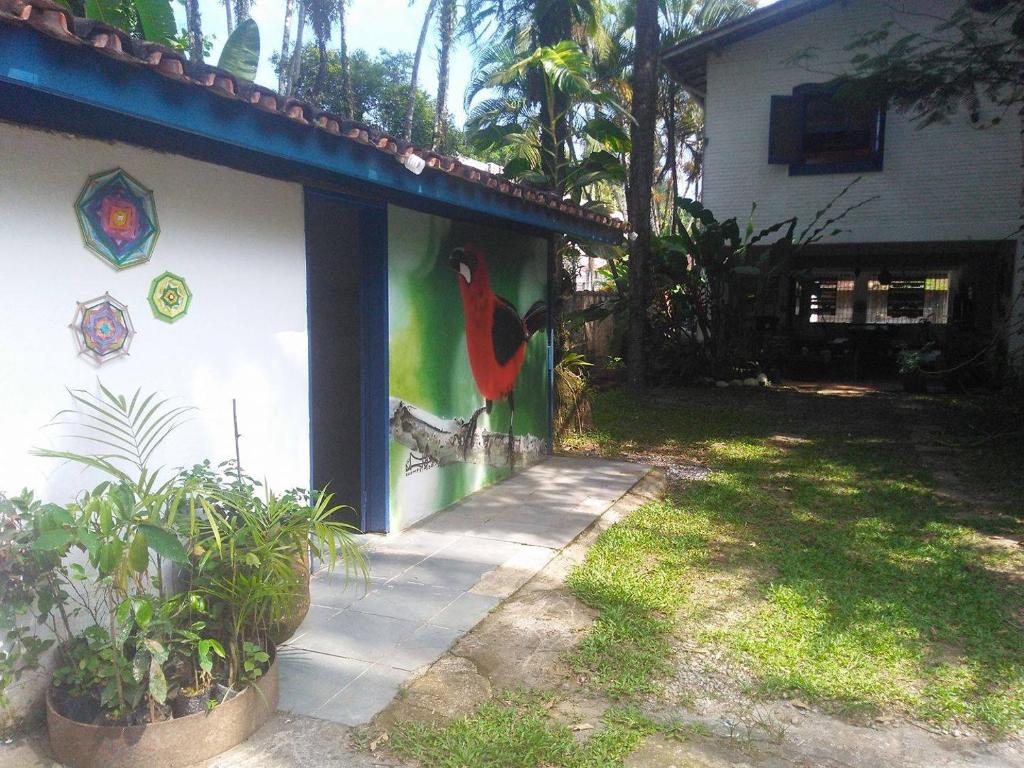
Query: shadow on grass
point(877, 592)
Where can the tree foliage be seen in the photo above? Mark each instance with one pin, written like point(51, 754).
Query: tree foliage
point(971, 60)
point(380, 89)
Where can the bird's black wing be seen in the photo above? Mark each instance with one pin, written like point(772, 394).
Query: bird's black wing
point(536, 317)
point(507, 332)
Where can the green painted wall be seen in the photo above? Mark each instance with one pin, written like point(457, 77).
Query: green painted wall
point(429, 365)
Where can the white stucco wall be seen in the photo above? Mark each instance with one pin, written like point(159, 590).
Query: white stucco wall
point(238, 240)
point(944, 182)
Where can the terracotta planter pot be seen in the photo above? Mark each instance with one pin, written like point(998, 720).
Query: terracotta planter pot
point(167, 744)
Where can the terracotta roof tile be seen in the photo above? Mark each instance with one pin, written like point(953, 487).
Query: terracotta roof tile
point(55, 21)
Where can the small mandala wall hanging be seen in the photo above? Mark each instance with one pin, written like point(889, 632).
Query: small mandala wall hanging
point(103, 328)
point(117, 217)
point(170, 297)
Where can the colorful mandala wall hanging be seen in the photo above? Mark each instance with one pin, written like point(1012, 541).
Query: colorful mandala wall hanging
point(169, 297)
point(103, 329)
point(117, 216)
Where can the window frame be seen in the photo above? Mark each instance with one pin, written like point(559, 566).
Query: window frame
point(874, 163)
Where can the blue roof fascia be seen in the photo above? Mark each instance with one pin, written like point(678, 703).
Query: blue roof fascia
point(34, 61)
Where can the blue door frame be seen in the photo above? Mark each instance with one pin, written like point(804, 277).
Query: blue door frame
point(373, 359)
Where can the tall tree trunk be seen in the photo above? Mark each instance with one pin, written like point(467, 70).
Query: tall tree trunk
point(286, 39)
point(346, 75)
point(194, 28)
point(230, 16)
point(410, 106)
point(295, 65)
point(672, 155)
point(641, 172)
point(446, 30)
point(321, 66)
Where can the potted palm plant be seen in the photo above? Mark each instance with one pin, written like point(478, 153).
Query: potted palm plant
point(165, 596)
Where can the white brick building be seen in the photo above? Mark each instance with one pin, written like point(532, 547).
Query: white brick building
point(936, 241)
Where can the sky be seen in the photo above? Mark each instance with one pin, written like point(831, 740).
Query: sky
point(372, 25)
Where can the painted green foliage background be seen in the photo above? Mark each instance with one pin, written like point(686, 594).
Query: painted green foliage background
point(429, 367)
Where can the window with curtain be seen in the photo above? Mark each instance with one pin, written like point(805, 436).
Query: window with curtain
point(832, 300)
point(909, 300)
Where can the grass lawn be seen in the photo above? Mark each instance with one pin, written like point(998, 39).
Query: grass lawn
point(852, 582)
point(514, 731)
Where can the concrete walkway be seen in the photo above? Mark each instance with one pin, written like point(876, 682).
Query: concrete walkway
point(431, 584)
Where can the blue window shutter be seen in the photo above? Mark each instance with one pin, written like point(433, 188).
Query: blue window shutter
point(785, 130)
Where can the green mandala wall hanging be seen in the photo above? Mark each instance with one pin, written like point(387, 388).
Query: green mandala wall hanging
point(170, 297)
point(117, 216)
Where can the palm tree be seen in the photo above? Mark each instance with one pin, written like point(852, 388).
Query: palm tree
point(243, 10)
point(413, 79)
point(230, 17)
point(286, 39)
point(194, 30)
point(321, 16)
point(641, 173)
point(346, 83)
point(530, 25)
point(511, 122)
point(295, 65)
point(446, 31)
point(681, 115)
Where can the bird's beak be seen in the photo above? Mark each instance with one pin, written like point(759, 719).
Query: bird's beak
point(458, 263)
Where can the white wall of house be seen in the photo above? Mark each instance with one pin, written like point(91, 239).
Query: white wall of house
point(944, 182)
point(238, 240)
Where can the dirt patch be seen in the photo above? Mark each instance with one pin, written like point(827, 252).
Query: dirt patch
point(450, 688)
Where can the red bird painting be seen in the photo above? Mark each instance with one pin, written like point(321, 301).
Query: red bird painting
point(496, 336)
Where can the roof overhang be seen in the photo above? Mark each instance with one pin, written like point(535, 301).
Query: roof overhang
point(687, 61)
point(47, 83)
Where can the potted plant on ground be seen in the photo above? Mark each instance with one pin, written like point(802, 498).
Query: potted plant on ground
point(911, 368)
point(163, 596)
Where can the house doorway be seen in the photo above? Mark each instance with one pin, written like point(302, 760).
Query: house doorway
point(346, 270)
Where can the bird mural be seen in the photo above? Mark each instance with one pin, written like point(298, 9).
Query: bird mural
point(496, 337)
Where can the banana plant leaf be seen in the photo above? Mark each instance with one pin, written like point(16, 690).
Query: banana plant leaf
point(241, 54)
point(113, 12)
point(157, 19)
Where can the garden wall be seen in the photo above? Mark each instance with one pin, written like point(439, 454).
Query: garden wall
point(238, 242)
point(429, 365)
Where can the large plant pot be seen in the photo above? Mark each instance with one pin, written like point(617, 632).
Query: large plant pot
point(169, 743)
point(914, 382)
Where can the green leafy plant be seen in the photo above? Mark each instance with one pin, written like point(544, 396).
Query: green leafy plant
point(250, 555)
point(712, 281)
point(572, 392)
point(148, 19)
point(28, 589)
point(532, 137)
point(182, 577)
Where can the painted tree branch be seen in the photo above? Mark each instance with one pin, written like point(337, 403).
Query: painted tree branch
point(440, 441)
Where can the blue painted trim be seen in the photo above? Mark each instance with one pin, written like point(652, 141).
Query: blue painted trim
point(113, 94)
point(551, 294)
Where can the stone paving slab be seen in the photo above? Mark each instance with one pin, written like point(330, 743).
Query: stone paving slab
point(429, 585)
